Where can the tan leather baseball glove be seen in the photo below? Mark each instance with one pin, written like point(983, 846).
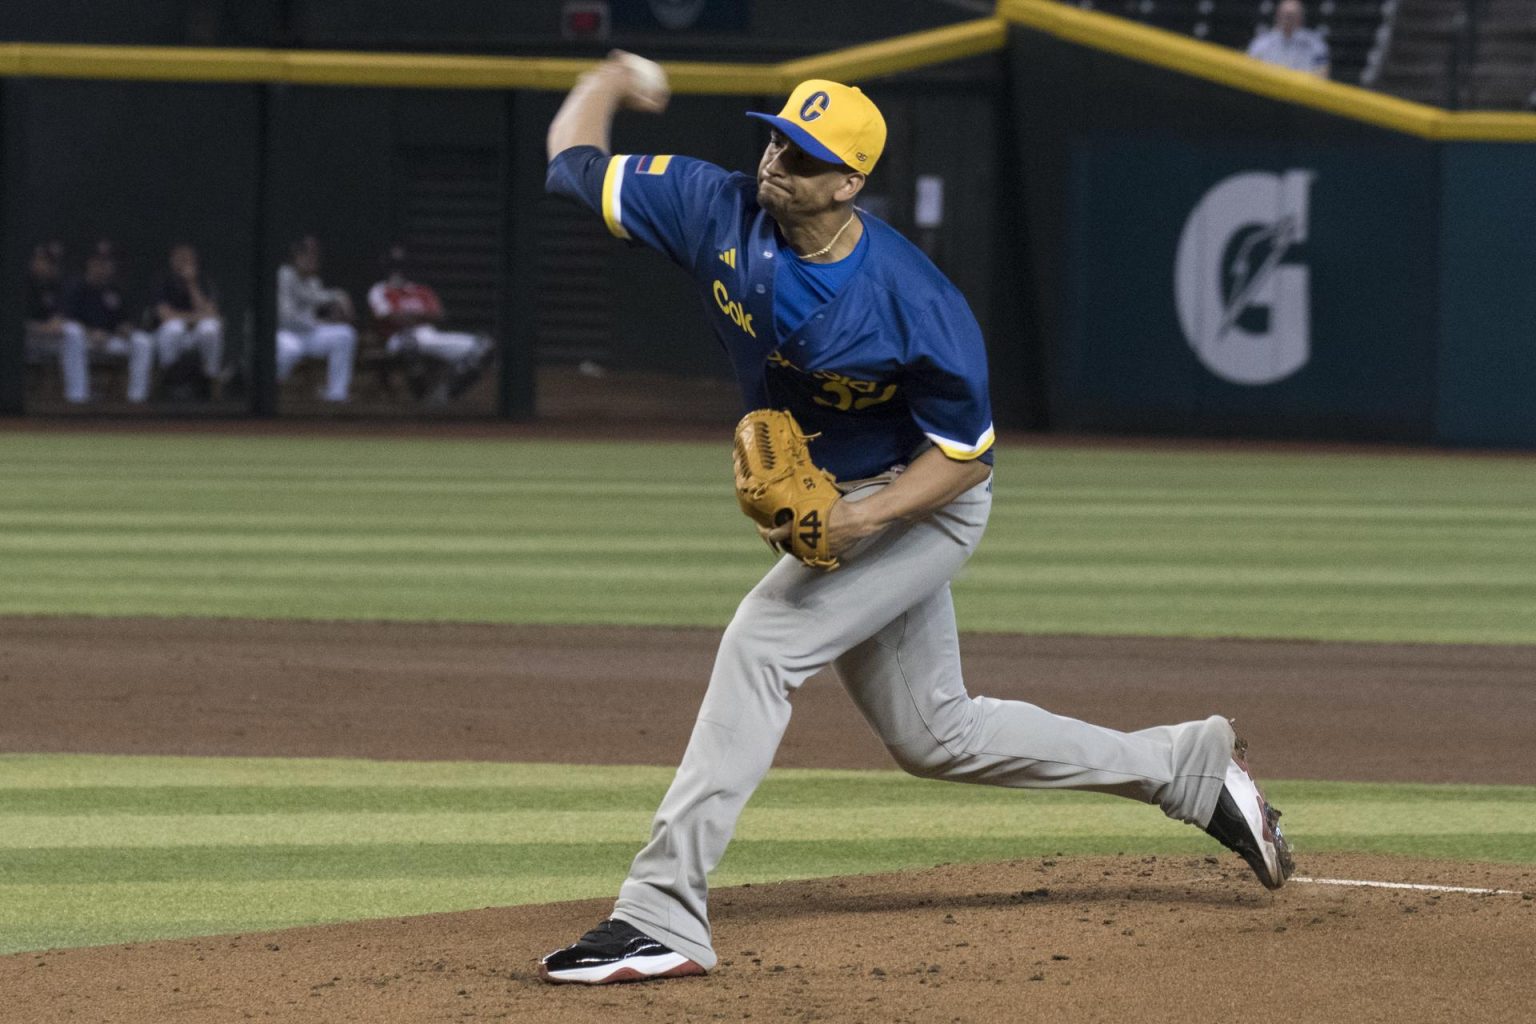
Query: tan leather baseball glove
point(777, 483)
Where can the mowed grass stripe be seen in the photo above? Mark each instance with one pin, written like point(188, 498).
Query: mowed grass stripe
point(74, 570)
point(1033, 505)
point(91, 782)
point(523, 865)
point(66, 771)
point(336, 548)
point(785, 790)
point(110, 865)
point(104, 849)
point(443, 599)
point(961, 818)
point(1336, 546)
point(211, 557)
point(526, 867)
point(45, 917)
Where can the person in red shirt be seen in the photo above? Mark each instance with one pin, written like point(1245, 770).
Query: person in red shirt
point(410, 312)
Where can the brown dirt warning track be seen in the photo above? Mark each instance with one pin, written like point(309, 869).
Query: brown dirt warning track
point(1116, 939)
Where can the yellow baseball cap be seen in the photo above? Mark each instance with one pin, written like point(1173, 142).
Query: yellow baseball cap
point(832, 122)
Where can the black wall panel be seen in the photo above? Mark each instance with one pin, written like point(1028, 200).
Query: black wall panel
point(143, 22)
point(720, 28)
point(104, 160)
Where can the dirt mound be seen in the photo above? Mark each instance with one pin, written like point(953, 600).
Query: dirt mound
point(1075, 939)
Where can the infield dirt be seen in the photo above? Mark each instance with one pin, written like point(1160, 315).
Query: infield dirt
point(1072, 939)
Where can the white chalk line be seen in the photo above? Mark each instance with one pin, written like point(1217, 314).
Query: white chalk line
point(1417, 887)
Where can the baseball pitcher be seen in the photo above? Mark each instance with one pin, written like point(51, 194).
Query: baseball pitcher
point(866, 458)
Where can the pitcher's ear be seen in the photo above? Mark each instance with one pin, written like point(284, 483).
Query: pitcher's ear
point(852, 185)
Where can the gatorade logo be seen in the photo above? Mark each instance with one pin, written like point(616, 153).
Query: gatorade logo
point(1243, 298)
point(814, 106)
point(733, 309)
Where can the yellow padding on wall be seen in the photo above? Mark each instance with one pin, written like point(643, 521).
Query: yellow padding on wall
point(300, 67)
point(901, 53)
point(857, 63)
point(319, 67)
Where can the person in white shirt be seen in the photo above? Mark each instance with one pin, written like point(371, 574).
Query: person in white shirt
point(313, 321)
point(1290, 45)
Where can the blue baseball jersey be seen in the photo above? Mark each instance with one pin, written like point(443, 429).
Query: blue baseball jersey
point(801, 288)
point(895, 360)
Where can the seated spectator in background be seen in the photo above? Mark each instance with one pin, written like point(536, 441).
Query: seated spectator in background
point(409, 312)
point(187, 312)
point(48, 331)
point(314, 321)
point(95, 303)
point(1289, 45)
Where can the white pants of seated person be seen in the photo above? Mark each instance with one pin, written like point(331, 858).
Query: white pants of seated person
point(445, 346)
point(175, 338)
point(335, 343)
point(885, 622)
point(139, 349)
point(75, 362)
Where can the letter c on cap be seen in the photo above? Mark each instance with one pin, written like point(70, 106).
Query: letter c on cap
point(814, 106)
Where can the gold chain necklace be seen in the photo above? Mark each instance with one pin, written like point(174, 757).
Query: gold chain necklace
point(828, 247)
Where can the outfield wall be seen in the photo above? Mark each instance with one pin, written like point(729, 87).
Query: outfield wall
point(243, 151)
point(1158, 235)
point(1201, 259)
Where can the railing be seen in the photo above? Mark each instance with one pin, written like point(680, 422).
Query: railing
point(1460, 54)
point(1461, 57)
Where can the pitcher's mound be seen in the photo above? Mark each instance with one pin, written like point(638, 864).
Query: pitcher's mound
point(1118, 939)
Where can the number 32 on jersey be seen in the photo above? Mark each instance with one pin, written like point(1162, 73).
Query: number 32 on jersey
point(840, 391)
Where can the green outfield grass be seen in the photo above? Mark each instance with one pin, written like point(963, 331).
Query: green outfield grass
point(1095, 541)
point(113, 849)
point(1326, 546)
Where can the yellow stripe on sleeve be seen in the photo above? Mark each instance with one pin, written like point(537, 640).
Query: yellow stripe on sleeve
point(961, 452)
point(613, 187)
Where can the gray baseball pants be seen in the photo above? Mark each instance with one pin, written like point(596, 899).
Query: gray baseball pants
point(886, 623)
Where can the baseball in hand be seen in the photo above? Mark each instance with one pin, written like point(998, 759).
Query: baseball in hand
point(649, 88)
